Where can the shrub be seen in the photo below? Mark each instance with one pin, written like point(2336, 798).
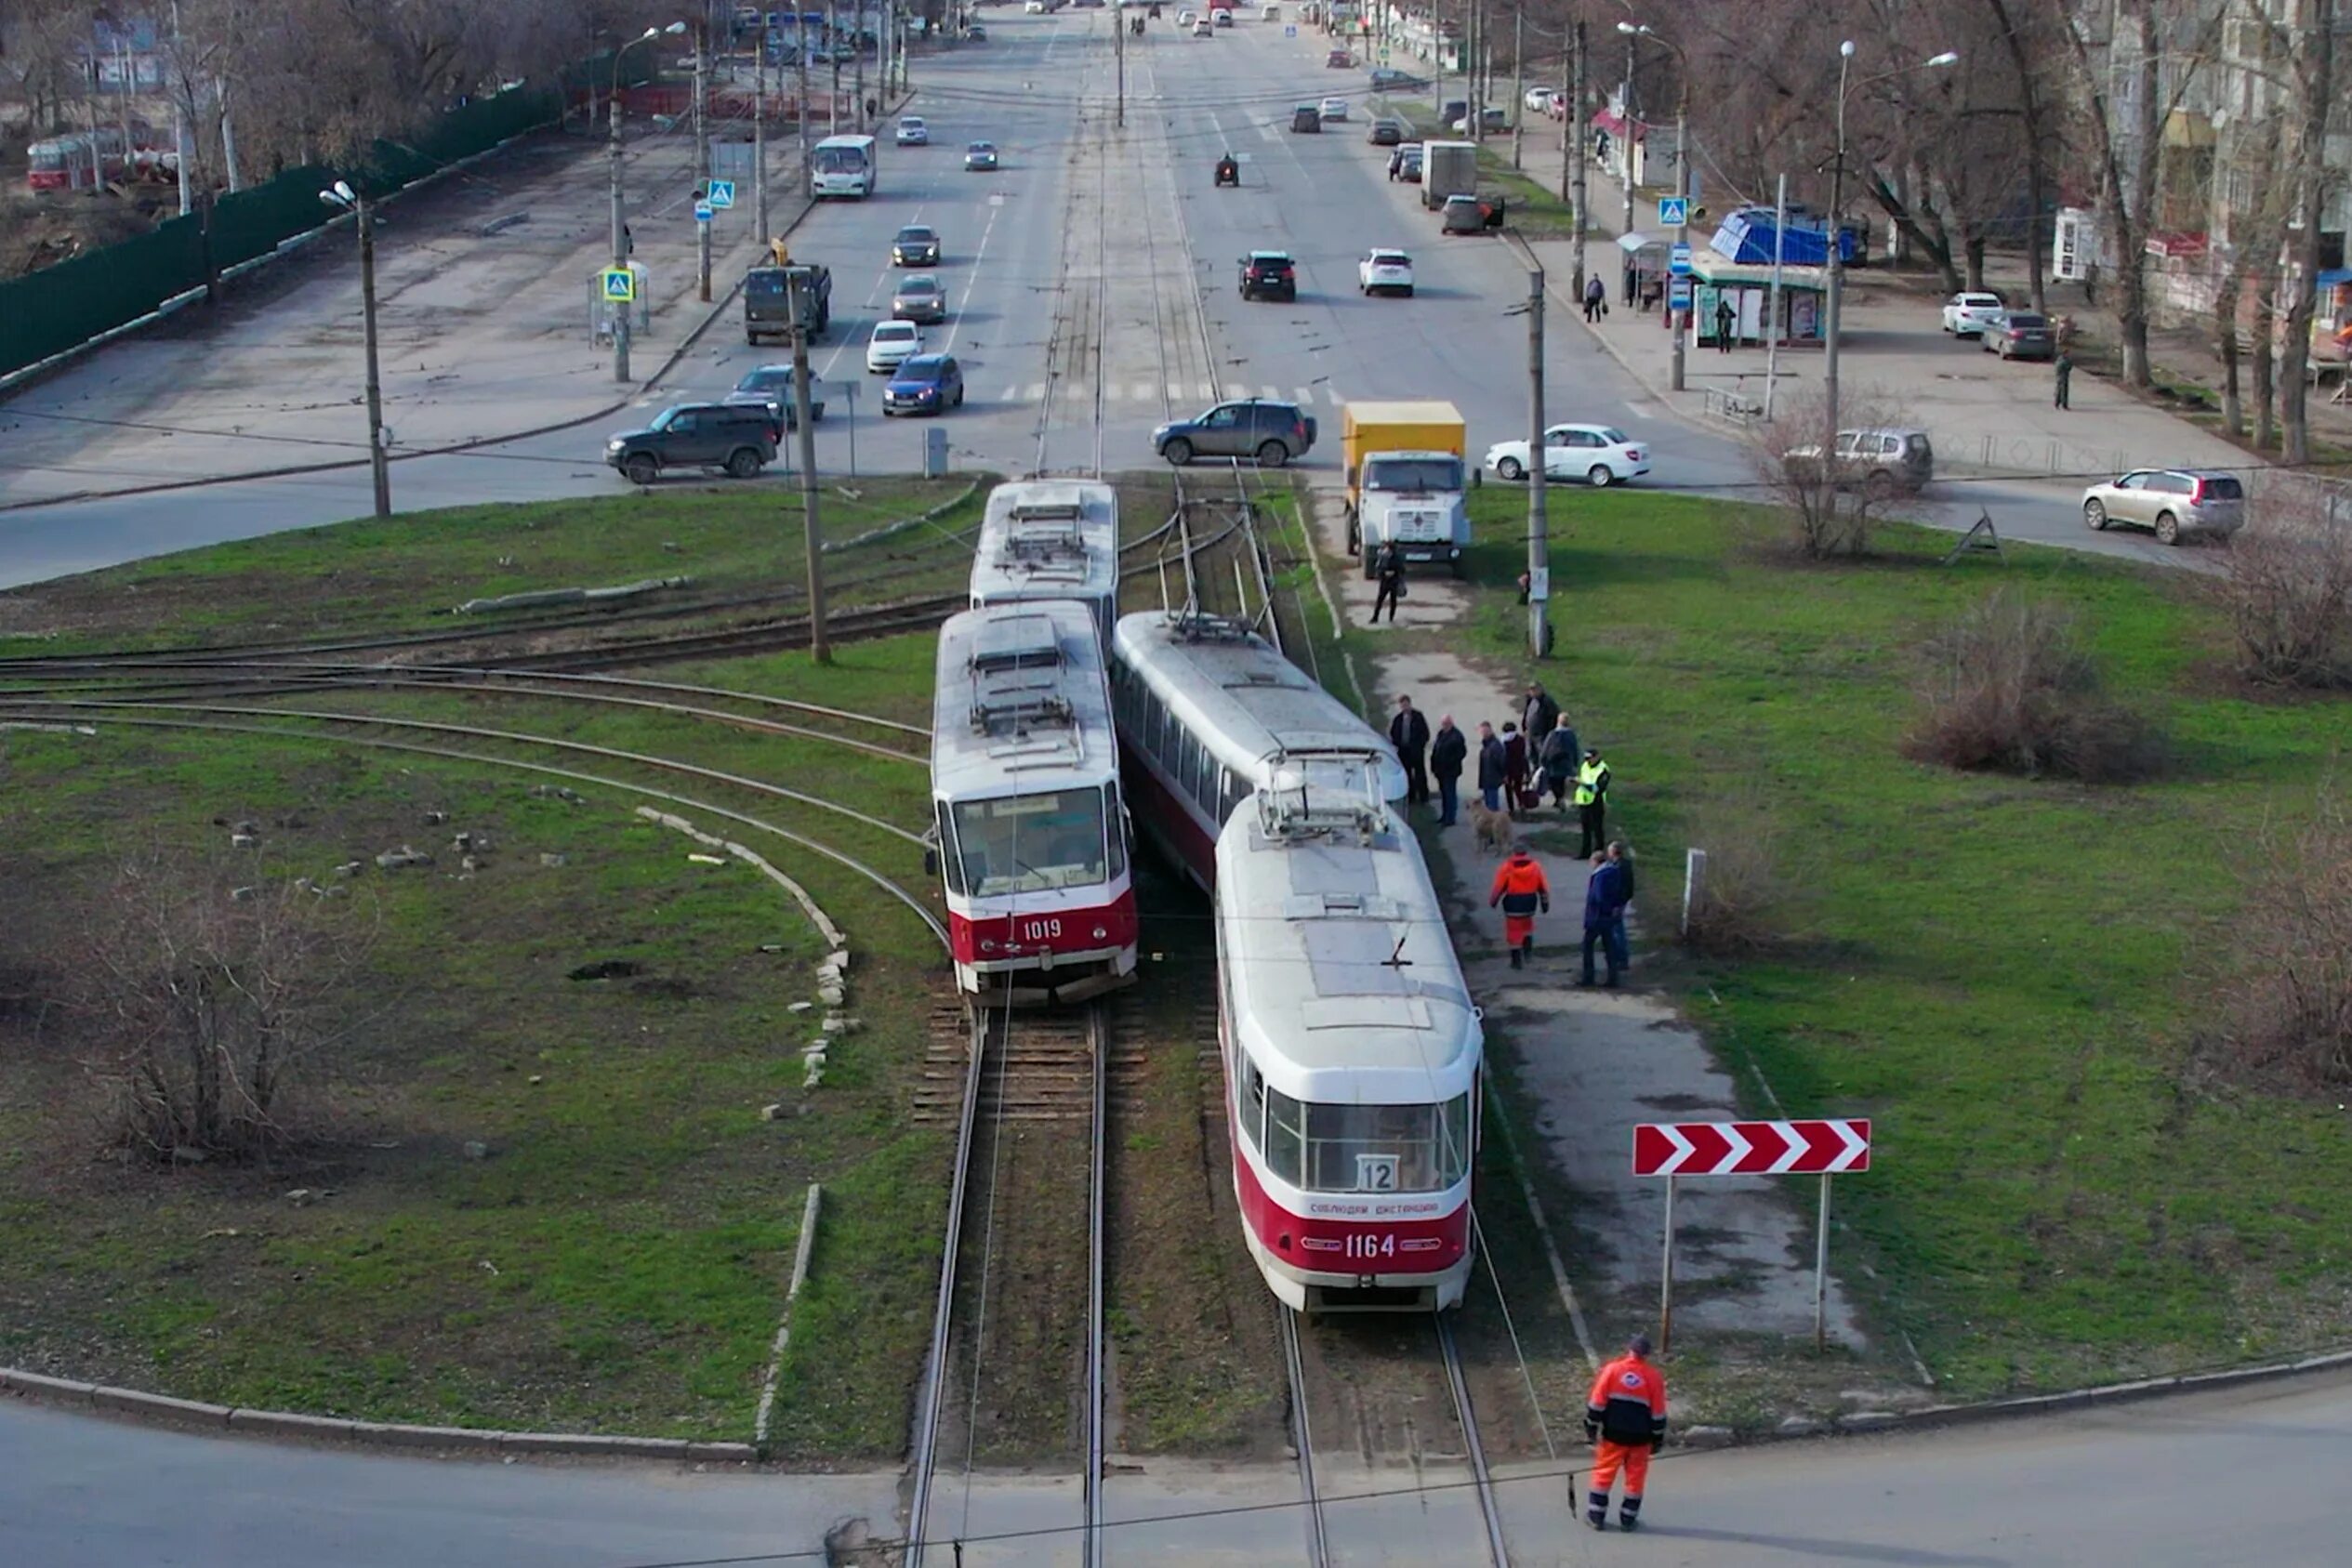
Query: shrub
point(2286, 1014)
point(1741, 904)
point(1830, 514)
point(2288, 587)
point(2010, 688)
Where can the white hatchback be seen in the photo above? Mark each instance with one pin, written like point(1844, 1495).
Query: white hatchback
point(893, 344)
point(1385, 271)
point(1335, 109)
point(1967, 315)
point(912, 132)
point(1600, 454)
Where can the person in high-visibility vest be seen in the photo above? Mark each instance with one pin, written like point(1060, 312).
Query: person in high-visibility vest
point(1521, 889)
point(1592, 802)
point(1625, 1421)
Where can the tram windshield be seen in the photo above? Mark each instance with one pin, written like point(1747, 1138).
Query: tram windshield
point(1367, 1148)
point(1031, 843)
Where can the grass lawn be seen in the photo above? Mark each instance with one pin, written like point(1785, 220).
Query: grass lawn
point(2005, 975)
point(617, 1261)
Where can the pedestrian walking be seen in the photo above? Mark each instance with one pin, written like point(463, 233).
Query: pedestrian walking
point(1538, 712)
point(1557, 758)
point(1447, 751)
point(1592, 801)
point(1515, 766)
point(1490, 759)
point(1606, 891)
point(1625, 1421)
point(1724, 317)
point(1521, 891)
point(1596, 298)
point(2062, 373)
point(1408, 732)
point(1388, 566)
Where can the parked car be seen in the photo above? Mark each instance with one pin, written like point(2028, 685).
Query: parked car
point(1269, 274)
point(1033, 7)
point(916, 246)
point(1306, 119)
point(739, 439)
point(1186, 19)
point(2171, 501)
point(1334, 109)
point(919, 298)
point(1202, 29)
point(912, 132)
point(769, 387)
point(1405, 163)
point(1387, 133)
point(1385, 271)
point(1496, 120)
point(1386, 80)
point(1600, 454)
point(980, 157)
point(1338, 59)
point(1877, 462)
point(893, 344)
point(1967, 314)
point(1271, 432)
point(1461, 215)
point(2020, 334)
point(924, 383)
point(1221, 16)
point(1539, 98)
point(976, 34)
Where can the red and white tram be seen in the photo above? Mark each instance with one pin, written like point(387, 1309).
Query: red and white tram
point(1207, 711)
point(1025, 791)
point(1051, 539)
point(1351, 1056)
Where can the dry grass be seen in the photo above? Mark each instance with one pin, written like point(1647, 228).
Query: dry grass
point(2288, 592)
point(1742, 905)
point(2286, 1016)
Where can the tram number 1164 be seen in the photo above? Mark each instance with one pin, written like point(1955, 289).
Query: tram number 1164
point(1361, 1247)
point(1040, 930)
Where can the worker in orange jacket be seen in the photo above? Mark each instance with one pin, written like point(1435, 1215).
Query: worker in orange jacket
point(1625, 1419)
point(1521, 889)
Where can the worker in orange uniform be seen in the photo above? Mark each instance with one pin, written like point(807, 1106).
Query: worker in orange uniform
point(1521, 889)
point(1625, 1419)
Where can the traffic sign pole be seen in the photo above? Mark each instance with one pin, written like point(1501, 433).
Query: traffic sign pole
point(1821, 1273)
point(1666, 1277)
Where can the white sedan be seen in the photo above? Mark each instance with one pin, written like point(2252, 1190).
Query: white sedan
point(912, 132)
point(1335, 109)
point(1967, 315)
point(1600, 454)
point(893, 344)
point(1385, 271)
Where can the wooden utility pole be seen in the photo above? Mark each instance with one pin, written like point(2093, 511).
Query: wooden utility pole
point(820, 644)
point(1573, 140)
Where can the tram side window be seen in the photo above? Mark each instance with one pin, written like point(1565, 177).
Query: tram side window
point(1235, 793)
point(950, 863)
point(1114, 829)
point(1286, 1137)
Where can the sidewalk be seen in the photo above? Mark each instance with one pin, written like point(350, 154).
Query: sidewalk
point(484, 314)
point(1984, 416)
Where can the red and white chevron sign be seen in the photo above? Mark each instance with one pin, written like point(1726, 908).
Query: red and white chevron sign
point(1751, 1148)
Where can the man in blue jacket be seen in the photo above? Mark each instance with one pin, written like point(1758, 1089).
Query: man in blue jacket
point(1492, 764)
point(1606, 892)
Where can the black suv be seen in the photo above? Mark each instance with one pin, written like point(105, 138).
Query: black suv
point(1273, 433)
point(742, 439)
point(1269, 274)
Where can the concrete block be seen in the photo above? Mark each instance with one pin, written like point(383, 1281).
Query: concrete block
point(34, 1385)
point(286, 1423)
point(1800, 1425)
point(1706, 1436)
point(161, 1407)
point(402, 1435)
point(724, 1452)
point(1867, 1421)
point(597, 1444)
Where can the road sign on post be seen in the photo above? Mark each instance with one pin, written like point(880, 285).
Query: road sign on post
point(1678, 258)
point(1678, 293)
point(721, 194)
point(620, 285)
point(1823, 1147)
point(1672, 211)
point(702, 212)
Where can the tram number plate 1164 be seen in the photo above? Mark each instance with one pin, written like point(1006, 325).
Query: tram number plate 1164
point(1371, 1247)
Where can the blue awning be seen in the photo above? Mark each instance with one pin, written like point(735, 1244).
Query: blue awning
point(2335, 277)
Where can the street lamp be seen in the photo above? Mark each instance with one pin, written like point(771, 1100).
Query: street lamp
point(1632, 29)
point(341, 196)
point(621, 245)
point(1836, 290)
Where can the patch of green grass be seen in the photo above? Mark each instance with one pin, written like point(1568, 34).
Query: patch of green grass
point(2005, 975)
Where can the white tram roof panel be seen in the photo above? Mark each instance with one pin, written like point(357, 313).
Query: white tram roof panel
point(1342, 973)
point(1232, 687)
point(1048, 540)
point(1022, 702)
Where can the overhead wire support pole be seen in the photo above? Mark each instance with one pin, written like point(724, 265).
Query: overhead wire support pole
point(378, 460)
point(820, 640)
point(1572, 132)
point(760, 138)
point(620, 236)
point(1538, 510)
point(702, 156)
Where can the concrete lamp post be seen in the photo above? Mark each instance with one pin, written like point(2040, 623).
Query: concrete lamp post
point(621, 246)
point(341, 196)
point(1632, 29)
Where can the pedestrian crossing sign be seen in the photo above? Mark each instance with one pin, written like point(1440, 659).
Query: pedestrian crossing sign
point(721, 194)
point(1673, 212)
point(620, 285)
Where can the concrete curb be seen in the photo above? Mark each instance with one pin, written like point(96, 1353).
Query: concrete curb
point(718, 309)
point(66, 1393)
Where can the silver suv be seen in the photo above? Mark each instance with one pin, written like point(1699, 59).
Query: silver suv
point(1877, 462)
point(2171, 501)
point(1273, 433)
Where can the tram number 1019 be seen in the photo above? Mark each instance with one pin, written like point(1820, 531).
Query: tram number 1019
point(1040, 930)
point(1371, 1247)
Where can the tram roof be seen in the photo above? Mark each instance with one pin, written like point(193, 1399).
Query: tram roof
point(1021, 702)
point(1048, 538)
point(1342, 974)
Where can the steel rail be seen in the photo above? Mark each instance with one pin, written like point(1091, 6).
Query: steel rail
point(1097, 1032)
point(1302, 1439)
point(1497, 1553)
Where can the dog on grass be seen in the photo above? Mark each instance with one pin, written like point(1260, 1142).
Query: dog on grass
point(1491, 830)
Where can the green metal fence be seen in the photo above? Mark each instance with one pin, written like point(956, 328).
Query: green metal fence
point(50, 311)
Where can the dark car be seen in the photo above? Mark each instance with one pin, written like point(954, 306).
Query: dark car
point(1307, 117)
point(976, 34)
point(740, 438)
point(916, 246)
point(767, 301)
point(1387, 133)
point(2020, 334)
point(1269, 274)
point(769, 387)
point(919, 298)
point(1405, 163)
point(925, 384)
point(1271, 432)
point(980, 157)
point(1387, 81)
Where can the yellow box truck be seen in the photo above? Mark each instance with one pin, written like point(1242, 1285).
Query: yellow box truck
point(1406, 475)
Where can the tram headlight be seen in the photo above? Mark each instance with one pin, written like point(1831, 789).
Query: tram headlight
point(1100, 932)
point(987, 944)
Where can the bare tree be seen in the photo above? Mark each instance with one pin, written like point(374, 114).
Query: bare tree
point(43, 63)
point(2313, 54)
point(2253, 169)
point(2288, 589)
point(1833, 502)
point(210, 1008)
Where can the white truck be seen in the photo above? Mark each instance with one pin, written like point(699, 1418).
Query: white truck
point(1406, 475)
point(1448, 168)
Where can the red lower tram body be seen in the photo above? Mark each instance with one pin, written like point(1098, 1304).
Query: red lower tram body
point(1045, 944)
